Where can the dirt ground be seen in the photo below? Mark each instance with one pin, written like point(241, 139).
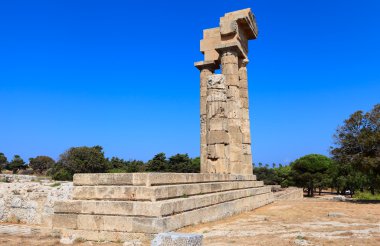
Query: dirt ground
point(311, 221)
point(305, 222)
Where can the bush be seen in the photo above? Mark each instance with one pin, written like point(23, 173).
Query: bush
point(62, 175)
point(83, 160)
point(366, 196)
point(117, 170)
point(41, 164)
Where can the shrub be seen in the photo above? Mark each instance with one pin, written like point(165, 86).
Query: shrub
point(41, 164)
point(83, 160)
point(62, 175)
point(366, 196)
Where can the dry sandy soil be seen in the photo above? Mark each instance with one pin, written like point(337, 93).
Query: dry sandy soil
point(305, 222)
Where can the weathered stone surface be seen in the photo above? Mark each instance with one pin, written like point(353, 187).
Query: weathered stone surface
point(217, 137)
point(227, 46)
point(154, 193)
point(154, 209)
point(31, 202)
point(156, 225)
point(177, 239)
point(148, 179)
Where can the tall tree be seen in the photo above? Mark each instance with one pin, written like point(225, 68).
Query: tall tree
point(3, 161)
point(159, 163)
point(83, 160)
point(357, 144)
point(41, 164)
point(16, 164)
point(311, 172)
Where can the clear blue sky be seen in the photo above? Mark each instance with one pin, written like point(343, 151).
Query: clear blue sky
point(120, 74)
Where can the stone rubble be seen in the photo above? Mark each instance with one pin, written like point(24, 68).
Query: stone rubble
point(31, 202)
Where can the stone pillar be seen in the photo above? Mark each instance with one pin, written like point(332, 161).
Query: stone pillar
point(216, 125)
point(245, 125)
point(230, 69)
point(206, 69)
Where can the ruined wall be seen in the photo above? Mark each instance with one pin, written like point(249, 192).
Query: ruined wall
point(31, 202)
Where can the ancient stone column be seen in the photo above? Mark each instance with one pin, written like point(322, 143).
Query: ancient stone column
point(206, 69)
point(227, 46)
point(230, 69)
point(216, 125)
point(245, 124)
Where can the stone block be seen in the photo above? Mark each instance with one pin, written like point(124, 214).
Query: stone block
point(148, 179)
point(211, 55)
point(243, 92)
point(209, 43)
point(247, 150)
point(160, 208)
point(233, 110)
point(218, 124)
point(232, 80)
point(230, 69)
point(235, 136)
point(211, 33)
point(216, 110)
point(154, 193)
point(245, 114)
point(217, 137)
point(243, 74)
point(216, 151)
point(244, 103)
point(178, 239)
point(68, 221)
point(233, 93)
point(229, 59)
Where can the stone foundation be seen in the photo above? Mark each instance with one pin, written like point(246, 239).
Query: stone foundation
point(120, 207)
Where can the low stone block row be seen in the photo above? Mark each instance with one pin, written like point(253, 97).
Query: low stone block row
point(154, 209)
point(157, 225)
point(151, 179)
point(122, 207)
point(154, 193)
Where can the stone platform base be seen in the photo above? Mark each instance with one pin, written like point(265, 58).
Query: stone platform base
point(122, 207)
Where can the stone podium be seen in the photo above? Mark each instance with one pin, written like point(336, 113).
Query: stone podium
point(136, 206)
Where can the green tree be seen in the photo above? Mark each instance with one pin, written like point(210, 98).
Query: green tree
point(159, 163)
point(135, 166)
point(81, 160)
point(180, 163)
point(16, 164)
point(3, 161)
point(310, 172)
point(357, 144)
point(41, 164)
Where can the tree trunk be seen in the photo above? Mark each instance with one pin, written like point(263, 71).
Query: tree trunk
point(372, 189)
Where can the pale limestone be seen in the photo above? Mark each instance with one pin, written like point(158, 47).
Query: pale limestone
point(227, 46)
point(154, 193)
point(148, 179)
point(177, 239)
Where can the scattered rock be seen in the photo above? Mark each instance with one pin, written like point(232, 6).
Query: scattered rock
point(68, 240)
point(335, 214)
point(132, 243)
point(178, 239)
point(339, 198)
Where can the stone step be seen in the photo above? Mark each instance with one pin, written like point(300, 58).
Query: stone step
point(148, 179)
point(158, 225)
point(110, 236)
point(153, 209)
point(154, 193)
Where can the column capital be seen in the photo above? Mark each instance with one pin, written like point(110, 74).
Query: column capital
point(243, 62)
point(232, 47)
point(210, 65)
